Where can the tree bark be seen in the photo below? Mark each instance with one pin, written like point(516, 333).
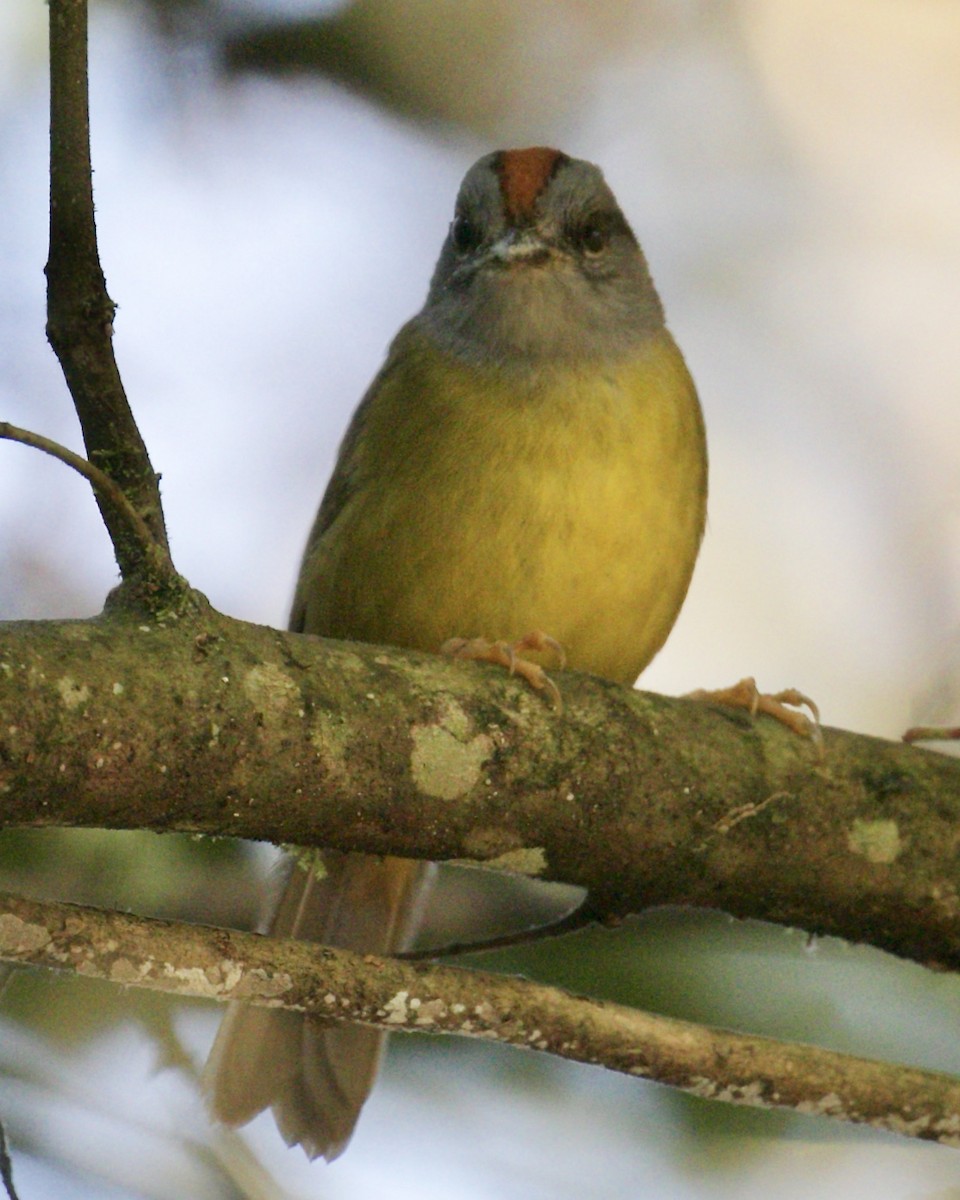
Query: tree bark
point(216, 964)
point(79, 310)
point(203, 723)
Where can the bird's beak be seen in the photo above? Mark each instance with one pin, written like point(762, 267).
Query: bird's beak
point(520, 247)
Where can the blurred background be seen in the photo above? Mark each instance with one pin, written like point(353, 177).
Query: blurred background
point(273, 181)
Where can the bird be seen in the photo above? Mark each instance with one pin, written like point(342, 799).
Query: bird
point(527, 472)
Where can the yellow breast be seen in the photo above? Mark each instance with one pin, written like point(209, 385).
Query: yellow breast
point(487, 503)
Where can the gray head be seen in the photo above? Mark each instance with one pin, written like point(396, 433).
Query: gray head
point(539, 264)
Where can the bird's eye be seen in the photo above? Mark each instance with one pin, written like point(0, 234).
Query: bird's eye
point(591, 237)
point(467, 235)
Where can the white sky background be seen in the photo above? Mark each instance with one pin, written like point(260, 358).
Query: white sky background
point(792, 169)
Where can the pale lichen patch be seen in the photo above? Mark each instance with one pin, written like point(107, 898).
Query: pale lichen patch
point(430, 1012)
point(228, 978)
point(72, 694)
point(22, 937)
point(265, 984)
point(750, 1094)
point(122, 970)
point(196, 979)
point(829, 1105)
point(876, 841)
point(348, 661)
point(488, 842)
point(486, 1012)
point(915, 1128)
point(945, 899)
point(330, 737)
point(446, 762)
point(525, 860)
point(454, 718)
point(226, 974)
point(270, 690)
point(396, 1009)
point(947, 1129)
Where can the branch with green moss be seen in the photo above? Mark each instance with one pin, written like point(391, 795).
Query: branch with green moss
point(203, 723)
point(216, 964)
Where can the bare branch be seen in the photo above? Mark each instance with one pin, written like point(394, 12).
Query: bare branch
point(579, 918)
point(217, 964)
point(6, 1166)
point(932, 733)
point(213, 725)
point(79, 311)
point(108, 492)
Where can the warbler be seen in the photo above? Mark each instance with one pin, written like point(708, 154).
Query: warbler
point(531, 457)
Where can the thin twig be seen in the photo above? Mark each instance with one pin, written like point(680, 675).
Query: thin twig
point(101, 482)
point(580, 918)
point(932, 733)
point(6, 1166)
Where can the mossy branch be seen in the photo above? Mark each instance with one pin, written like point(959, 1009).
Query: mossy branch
point(203, 723)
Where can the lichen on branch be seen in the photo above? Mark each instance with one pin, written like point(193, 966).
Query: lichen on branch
point(202, 723)
point(224, 965)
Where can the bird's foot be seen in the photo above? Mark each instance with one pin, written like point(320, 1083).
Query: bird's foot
point(782, 706)
point(508, 654)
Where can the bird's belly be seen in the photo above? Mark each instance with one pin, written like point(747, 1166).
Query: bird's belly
point(573, 505)
point(595, 551)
